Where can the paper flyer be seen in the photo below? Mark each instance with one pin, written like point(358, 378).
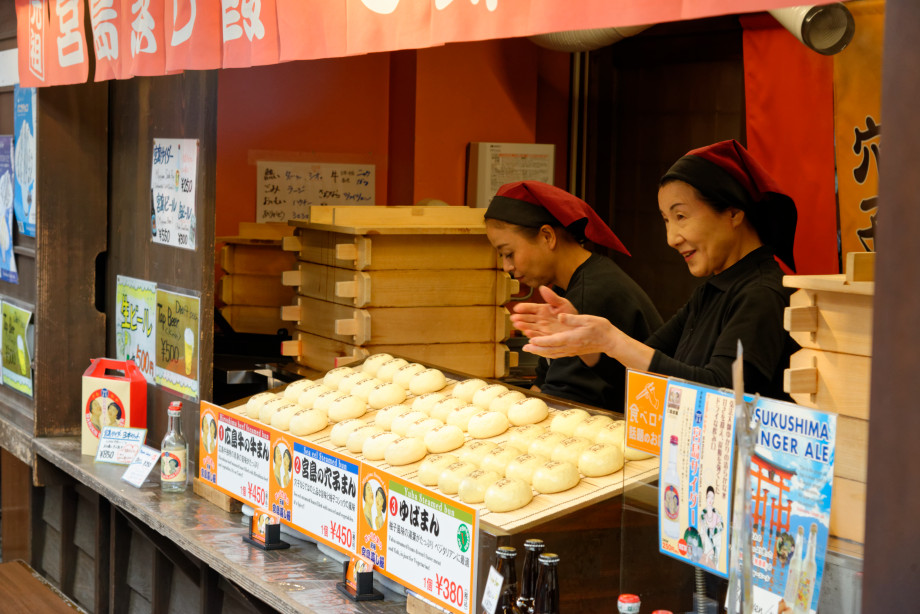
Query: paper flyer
point(177, 340)
point(8, 270)
point(135, 337)
point(695, 484)
point(792, 474)
point(173, 184)
point(17, 343)
point(24, 153)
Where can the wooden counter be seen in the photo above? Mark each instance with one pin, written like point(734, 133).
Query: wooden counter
point(300, 579)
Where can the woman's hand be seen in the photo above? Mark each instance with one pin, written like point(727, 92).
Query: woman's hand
point(539, 319)
point(573, 335)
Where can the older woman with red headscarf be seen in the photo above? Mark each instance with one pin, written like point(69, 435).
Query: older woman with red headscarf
point(539, 232)
point(727, 219)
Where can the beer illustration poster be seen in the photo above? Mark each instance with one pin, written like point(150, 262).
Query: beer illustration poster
point(17, 358)
point(24, 138)
point(8, 271)
point(173, 182)
point(135, 334)
point(695, 485)
point(792, 472)
point(177, 337)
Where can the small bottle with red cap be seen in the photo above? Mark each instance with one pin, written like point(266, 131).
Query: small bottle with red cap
point(628, 604)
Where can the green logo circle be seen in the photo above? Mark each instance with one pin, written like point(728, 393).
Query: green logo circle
point(463, 538)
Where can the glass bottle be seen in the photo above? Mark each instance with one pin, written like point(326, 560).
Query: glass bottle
point(670, 495)
point(795, 567)
point(546, 594)
point(505, 566)
point(533, 549)
point(807, 575)
point(174, 453)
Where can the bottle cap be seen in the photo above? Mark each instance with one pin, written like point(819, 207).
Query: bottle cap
point(674, 440)
point(175, 408)
point(534, 545)
point(662, 612)
point(549, 559)
point(506, 552)
point(628, 604)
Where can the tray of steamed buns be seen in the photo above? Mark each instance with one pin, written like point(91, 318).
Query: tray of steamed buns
point(501, 450)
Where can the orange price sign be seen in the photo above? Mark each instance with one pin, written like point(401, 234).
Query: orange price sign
point(645, 397)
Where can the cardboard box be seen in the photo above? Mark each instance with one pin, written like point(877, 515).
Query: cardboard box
point(114, 394)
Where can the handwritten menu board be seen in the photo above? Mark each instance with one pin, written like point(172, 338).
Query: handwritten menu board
point(177, 342)
point(173, 181)
point(17, 361)
point(286, 190)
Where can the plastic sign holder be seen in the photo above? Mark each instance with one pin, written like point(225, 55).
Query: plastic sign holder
point(358, 580)
point(265, 531)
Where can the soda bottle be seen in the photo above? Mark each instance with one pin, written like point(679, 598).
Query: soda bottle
point(795, 566)
point(504, 565)
point(807, 575)
point(174, 453)
point(546, 594)
point(533, 549)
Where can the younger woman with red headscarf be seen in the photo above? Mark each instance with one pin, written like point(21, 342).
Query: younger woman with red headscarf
point(539, 231)
point(727, 219)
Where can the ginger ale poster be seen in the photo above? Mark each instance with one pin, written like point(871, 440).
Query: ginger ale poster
point(792, 472)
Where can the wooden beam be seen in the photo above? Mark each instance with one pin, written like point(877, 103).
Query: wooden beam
point(15, 498)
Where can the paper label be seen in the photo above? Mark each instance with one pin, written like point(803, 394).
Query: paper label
point(119, 445)
point(140, 467)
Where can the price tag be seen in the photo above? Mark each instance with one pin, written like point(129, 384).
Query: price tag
point(119, 445)
point(492, 592)
point(140, 467)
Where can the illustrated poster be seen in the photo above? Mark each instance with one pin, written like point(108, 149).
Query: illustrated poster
point(695, 477)
point(16, 342)
point(792, 474)
point(177, 340)
point(173, 182)
point(8, 270)
point(24, 158)
point(134, 327)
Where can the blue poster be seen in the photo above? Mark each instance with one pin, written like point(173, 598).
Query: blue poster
point(8, 270)
point(792, 473)
point(24, 103)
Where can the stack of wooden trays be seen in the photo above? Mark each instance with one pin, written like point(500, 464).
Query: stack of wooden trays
point(831, 318)
point(418, 282)
point(251, 288)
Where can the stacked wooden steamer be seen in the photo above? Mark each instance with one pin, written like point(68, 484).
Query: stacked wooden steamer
point(418, 282)
point(251, 288)
point(831, 318)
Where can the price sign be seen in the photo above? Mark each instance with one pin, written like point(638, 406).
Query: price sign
point(325, 496)
point(430, 544)
point(244, 450)
point(119, 445)
point(140, 467)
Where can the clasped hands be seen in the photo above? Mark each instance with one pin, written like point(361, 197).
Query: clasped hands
point(556, 329)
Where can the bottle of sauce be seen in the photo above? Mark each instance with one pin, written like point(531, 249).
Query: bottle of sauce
point(795, 567)
point(546, 597)
point(808, 575)
point(533, 548)
point(174, 453)
point(628, 604)
point(670, 494)
point(505, 556)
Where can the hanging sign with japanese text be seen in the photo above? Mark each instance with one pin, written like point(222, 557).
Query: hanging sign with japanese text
point(24, 158)
point(8, 271)
point(178, 335)
point(173, 185)
point(134, 323)
point(286, 190)
point(192, 35)
point(249, 31)
point(694, 485)
point(16, 342)
point(146, 31)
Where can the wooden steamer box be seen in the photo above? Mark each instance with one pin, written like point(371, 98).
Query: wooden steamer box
point(419, 282)
point(830, 316)
point(251, 288)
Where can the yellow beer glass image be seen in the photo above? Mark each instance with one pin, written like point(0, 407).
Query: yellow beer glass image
point(189, 350)
point(21, 349)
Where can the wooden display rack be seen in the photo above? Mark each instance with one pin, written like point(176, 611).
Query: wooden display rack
point(831, 318)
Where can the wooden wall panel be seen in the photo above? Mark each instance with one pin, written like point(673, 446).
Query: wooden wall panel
point(177, 106)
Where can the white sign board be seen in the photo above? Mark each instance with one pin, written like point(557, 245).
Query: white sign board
point(286, 190)
point(173, 181)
